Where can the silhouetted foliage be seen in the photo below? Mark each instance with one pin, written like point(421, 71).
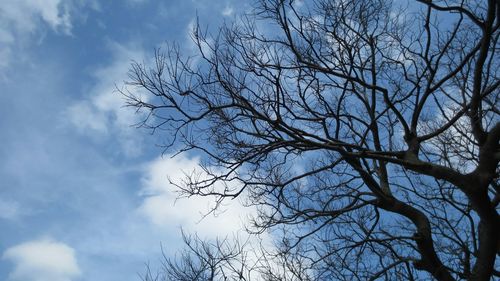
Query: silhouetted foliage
point(367, 130)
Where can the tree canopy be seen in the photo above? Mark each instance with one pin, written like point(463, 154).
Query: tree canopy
point(367, 130)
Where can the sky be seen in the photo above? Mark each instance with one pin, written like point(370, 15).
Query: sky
point(83, 194)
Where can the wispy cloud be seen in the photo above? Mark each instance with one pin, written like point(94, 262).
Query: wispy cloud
point(25, 15)
point(228, 11)
point(42, 260)
point(10, 210)
point(135, 2)
point(102, 113)
point(21, 19)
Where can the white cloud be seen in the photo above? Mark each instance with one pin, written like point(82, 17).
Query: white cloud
point(228, 11)
point(24, 22)
point(85, 117)
point(42, 260)
point(103, 111)
point(9, 210)
point(24, 15)
point(164, 209)
point(21, 19)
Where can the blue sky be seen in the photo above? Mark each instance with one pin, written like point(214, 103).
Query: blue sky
point(83, 195)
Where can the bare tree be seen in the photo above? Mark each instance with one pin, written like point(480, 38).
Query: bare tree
point(367, 130)
point(203, 260)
